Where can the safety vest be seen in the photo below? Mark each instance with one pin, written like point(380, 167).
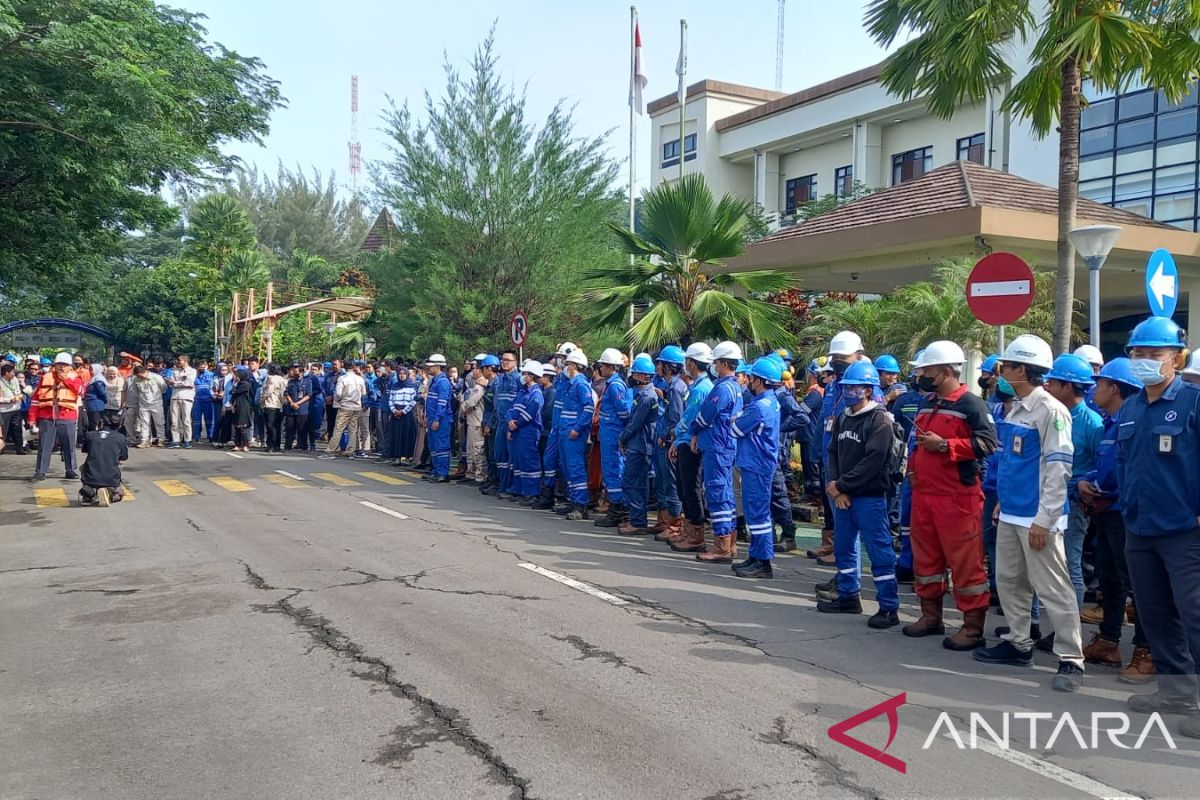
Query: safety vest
point(56, 400)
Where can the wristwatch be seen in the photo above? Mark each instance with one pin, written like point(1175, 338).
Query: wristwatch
point(943, 446)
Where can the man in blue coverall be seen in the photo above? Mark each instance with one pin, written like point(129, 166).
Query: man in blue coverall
point(756, 431)
point(712, 436)
point(552, 458)
point(574, 425)
point(614, 414)
point(508, 383)
point(670, 363)
point(524, 430)
point(794, 423)
point(637, 446)
point(440, 419)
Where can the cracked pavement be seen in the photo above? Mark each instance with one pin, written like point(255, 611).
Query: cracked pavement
point(313, 647)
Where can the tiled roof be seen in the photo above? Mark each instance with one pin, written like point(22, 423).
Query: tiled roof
point(811, 94)
point(712, 87)
point(381, 233)
point(962, 184)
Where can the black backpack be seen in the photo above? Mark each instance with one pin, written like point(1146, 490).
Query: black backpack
point(897, 460)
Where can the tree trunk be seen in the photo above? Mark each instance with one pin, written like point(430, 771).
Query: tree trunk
point(1068, 200)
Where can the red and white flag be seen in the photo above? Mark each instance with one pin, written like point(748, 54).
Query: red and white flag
point(637, 80)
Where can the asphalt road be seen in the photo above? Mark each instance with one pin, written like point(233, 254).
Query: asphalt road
point(322, 634)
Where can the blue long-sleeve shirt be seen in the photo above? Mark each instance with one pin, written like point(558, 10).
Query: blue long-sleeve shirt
point(675, 393)
point(697, 394)
point(437, 401)
point(506, 386)
point(756, 432)
point(1104, 473)
point(526, 409)
point(204, 382)
point(614, 405)
point(579, 406)
point(639, 432)
point(1087, 429)
point(712, 423)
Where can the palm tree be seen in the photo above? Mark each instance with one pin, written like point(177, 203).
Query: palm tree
point(685, 233)
point(959, 54)
point(244, 270)
point(217, 227)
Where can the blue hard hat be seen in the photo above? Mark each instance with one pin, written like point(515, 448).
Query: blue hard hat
point(743, 368)
point(10, 358)
point(989, 364)
point(490, 361)
point(1120, 370)
point(784, 353)
point(768, 368)
point(642, 365)
point(327, 364)
point(45, 362)
point(672, 354)
point(1156, 332)
point(1071, 369)
point(887, 363)
point(778, 359)
point(861, 373)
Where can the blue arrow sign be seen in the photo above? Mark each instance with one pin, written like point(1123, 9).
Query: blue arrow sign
point(1162, 283)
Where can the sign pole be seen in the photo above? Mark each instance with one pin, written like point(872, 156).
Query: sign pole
point(1094, 301)
point(1000, 339)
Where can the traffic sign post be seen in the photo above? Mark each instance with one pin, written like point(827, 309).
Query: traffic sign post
point(1000, 291)
point(518, 332)
point(1162, 283)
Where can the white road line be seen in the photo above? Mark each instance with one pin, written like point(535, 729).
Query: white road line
point(1054, 772)
point(235, 455)
point(574, 584)
point(384, 509)
point(291, 475)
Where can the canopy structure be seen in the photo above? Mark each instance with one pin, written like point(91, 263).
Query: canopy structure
point(247, 319)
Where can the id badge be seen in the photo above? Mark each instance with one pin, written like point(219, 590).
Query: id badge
point(1018, 444)
point(829, 425)
point(1166, 443)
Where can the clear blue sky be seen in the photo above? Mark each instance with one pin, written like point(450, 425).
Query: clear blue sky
point(574, 50)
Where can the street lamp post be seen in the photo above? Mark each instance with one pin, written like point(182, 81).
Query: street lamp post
point(268, 334)
point(329, 327)
point(1094, 243)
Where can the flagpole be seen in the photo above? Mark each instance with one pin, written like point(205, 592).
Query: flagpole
point(633, 18)
point(682, 89)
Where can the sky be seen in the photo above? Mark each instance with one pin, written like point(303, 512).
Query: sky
point(575, 51)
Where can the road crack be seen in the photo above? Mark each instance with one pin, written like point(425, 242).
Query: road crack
point(591, 651)
point(110, 592)
point(827, 766)
point(35, 569)
point(413, 581)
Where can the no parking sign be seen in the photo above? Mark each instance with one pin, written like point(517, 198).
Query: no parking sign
point(518, 328)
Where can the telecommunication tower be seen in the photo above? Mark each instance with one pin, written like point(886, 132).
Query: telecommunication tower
point(355, 145)
point(779, 49)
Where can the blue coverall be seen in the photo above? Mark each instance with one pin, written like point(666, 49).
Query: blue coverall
point(437, 409)
point(203, 409)
point(523, 450)
point(712, 427)
point(667, 472)
point(507, 386)
point(637, 442)
point(794, 423)
point(614, 414)
point(756, 431)
point(579, 405)
point(553, 457)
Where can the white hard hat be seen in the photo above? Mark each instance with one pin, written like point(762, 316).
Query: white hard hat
point(63, 358)
point(942, 353)
point(846, 343)
point(1091, 354)
point(612, 356)
point(727, 351)
point(577, 357)
point(699, 352)
point(1030, 350)
point(480, 357)
point(549, 371)
point(436, 360)
point(532, 367)
point(564, 349)
point(1193, 367)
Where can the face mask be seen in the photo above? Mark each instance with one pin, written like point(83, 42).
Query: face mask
point(839, 367)
point(925, 384)
point(1004, 388)
point(856, 395)
point(984, 383)
point(1148, 371)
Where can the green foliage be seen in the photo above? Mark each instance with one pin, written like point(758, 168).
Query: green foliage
point(161, 309)
point(686, 232)
point(825, 204)
point(104, 103)
point(494, 214)
point(244, 270)
point(217, 227)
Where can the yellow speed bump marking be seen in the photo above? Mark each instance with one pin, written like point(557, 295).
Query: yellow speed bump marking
point(174, 488)
point(283, 480)
point(383, 477)
point(128, 497)
point(51, 498)
point(335, 479)
point(231, 484)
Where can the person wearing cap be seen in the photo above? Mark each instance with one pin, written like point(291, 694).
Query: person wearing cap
point(954, 434)
point(1158, 448)
point(346, 407)
point(673, 394)
point(1068, 380)
point(523, 429)
point(637, 446)
point(1099, 492)
point(552, 480)
point(1095, 359)
point(690, 538)
point(314, 387)
point(712, 436)
point(1191, 373)
point(614, 415)
point(574, 425)
point(1032, 486)
point(756, 434)
point(439, 419)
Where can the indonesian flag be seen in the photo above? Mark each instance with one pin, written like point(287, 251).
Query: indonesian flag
point(637, 81)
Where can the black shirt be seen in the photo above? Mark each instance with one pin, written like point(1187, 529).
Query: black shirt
point(105, 451)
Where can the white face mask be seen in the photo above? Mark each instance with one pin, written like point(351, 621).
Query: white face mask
point(1148, 371)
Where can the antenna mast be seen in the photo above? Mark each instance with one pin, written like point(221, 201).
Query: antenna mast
point(779, 49)
point(355, 146)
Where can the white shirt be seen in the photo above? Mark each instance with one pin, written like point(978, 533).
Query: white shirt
point(349, 392)
point(183, 385)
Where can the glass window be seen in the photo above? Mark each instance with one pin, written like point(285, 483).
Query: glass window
point(970, 148)
point(800, 190)
point(1138, 158)
point(1140, 206)
point(1175, 206)
point(671, 149)
point(1099, 190)
point(910, 165)
point(1188, 101)
point(1100, 166)
point(1130, 186)
point(689, 143)
point(1138, 104)
point(1096, 141)
point(1175, 179)
point(1134, 133)
point(1176, 152)
point(1097, 114)
point(1177, 123)
point(843, 181)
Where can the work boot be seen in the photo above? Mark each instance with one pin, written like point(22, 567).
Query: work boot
point(602, 504)
point(787, 542)
point(1092, 616)
point(1104, 652)
point(827, 561)
point(1159, 703)
point(670, 527)
point(629, 529)
point(527, 501)
point(577, 512)
point(759, 569)
point(660, 524)
point(1069, 677)
point(722, 551)
point(563, 509)
point(883, 619)
point(1004, 653)
point(545, 501)
point(842, 605)
point(743, 564)
point(970, 635)
point(690, 539)
point(1141, 668)
point(828, 586)
point(930, 623)
point(826, 547)
point(611, 518)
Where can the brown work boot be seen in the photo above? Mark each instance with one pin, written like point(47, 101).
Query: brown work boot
point(1092, 616)
point(1102, 651)
point(1141, 668)
point(690, 539)
point(721, 551)
point(629, 529)
point(930, 623)
point(970, 635)
point(659, 524)
point(670, 527)
point(826, 547)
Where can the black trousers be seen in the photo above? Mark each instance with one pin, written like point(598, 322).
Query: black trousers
point(272, 417)
point(1113, 572)
point(13, 423)
point(689, 484)
point(1165, 571)
point(295, 431)
point(225, 426)
point(781, 504)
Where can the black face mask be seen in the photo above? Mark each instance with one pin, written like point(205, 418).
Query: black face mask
point(925, 384)
point(984, 384)
point(839, 367)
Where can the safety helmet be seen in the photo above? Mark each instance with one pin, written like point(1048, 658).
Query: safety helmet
point(1120, 370)
point(787, 375)
point(1193, 367)
point(727, 351)
point(63, 358)
point(1070, 368)
point(846, 343)
point(10, 358)
point(612, 356)
point(860, 373)
point(768, 369)
point(778, 359)
point(916, 359)
point(671, 354)
point(531, 367)
point(549, 371)
point(489, 361)
point(1156, 332)
point(700, 353)
point(1029, 350)
point(1091, 354)
point(327, 364)
point(436, 360)
point(989, 364)
point(45, 362)
point(564, 349)
point(887, 363)
point(784, 353)
point(479, 358)
point(577, 357)
point(643, 365)
point(942, 354)
point(743, 368)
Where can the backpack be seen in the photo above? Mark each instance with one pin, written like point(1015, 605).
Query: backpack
point(897, 460)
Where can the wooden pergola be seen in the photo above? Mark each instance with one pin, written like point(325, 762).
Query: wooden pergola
point(252, 313)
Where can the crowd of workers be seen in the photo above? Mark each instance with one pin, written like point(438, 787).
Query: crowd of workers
point(1061, 473)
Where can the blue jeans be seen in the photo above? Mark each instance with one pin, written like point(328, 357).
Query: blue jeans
point(867, 518)
point(204, 411)
point(1077, 528)
point(665, 477)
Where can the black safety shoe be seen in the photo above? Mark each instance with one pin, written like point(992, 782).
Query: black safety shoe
point(883, 619)
point(1004, 653)
point(842, 605)
point(785, 545)
point(1162, 704)
point(760, 568)
point(1035, 632)
point(1069, 677)
point(72, 476)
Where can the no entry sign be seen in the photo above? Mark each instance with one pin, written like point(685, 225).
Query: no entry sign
point(518, 328)
point(1000, 289)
